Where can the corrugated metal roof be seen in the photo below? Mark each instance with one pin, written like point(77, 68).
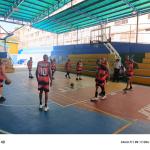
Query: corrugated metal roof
point(85, 14)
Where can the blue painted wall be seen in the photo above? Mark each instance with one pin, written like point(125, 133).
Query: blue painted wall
point(3, 54)
point(136, 50)
point(93, 49)
point(78, 49)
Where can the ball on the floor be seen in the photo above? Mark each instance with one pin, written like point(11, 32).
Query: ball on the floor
point(72, 85)
point(7, 82)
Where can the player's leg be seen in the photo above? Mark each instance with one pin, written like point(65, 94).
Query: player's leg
point(131, 83)
point(53, 74)
point(1, 91)
point(77, 78)
point(80, 76)
point(40, 98)
point(46, 101)
point(103, 93)
point(95, 98)
point(127, 82)
point(69, 74)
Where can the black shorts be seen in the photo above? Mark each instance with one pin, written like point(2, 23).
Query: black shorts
point(128, 76)
point(1, 83)
point(43, 86)
point(100, 82)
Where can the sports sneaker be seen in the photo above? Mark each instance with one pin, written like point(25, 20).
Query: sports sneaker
point(103, 97)
point(41, 106)
point(80, 78)
point(2, 99)
point(46, 109)
point(130, 88)
point(94, 98)
point(77, 79)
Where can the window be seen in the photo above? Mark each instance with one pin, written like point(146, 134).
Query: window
point(120, 22)
point(148, 16)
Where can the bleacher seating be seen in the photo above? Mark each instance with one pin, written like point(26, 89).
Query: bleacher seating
point(89, 62)
point(142, 74)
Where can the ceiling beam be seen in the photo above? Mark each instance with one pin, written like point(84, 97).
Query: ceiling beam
point(50, 10)
point(131, 6)
point(16, 4)
point(45, 2)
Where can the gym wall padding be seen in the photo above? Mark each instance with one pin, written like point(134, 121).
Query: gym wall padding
point(3, 54)
point(136, 50)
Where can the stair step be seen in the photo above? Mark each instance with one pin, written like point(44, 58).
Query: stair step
point(143, 66)
point(142, 72)
point(141, 80)
point(147, 55)
point(146, 60)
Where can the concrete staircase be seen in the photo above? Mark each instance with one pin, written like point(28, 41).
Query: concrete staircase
point(8, 65)
point(142, 74)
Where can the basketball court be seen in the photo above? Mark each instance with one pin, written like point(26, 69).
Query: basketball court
point(71, 110)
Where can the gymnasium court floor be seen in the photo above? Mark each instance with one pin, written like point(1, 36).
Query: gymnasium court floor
point(71, 111)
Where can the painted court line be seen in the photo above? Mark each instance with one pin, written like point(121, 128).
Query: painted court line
point(104, 112)
point(56, 93)
point(9, 105)
point(82, 101)
point(4, 132)
point(54, 102)
point(123, 128)
point(116, 92)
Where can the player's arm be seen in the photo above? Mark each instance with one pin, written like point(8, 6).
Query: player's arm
point(37, 71)
point(50, 74)
point(3, 72)
point(28, 63)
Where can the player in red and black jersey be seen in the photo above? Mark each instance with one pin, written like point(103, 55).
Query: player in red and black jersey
point(44, 78)
point(3, 77)
point(101, 76)
point(79, 69)
point(53, 67)
point(29, 65)
point(129, 66)
point(68, 67)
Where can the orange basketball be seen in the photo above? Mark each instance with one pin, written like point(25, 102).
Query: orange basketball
point(72, 85)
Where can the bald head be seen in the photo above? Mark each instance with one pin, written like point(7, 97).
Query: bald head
point(45, 57)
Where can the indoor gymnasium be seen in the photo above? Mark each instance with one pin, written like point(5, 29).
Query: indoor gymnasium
point(74, 66)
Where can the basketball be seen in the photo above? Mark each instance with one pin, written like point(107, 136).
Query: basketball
point(7, 82)
point(72, 85)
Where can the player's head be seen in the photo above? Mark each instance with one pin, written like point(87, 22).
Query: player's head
point(45, 57)
point(103, 60)
point(51, 60)
point(98, 61)
point(127, 57)
point(69, 60)
point(131, 60)
point(1, 61)
point(30, 58)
